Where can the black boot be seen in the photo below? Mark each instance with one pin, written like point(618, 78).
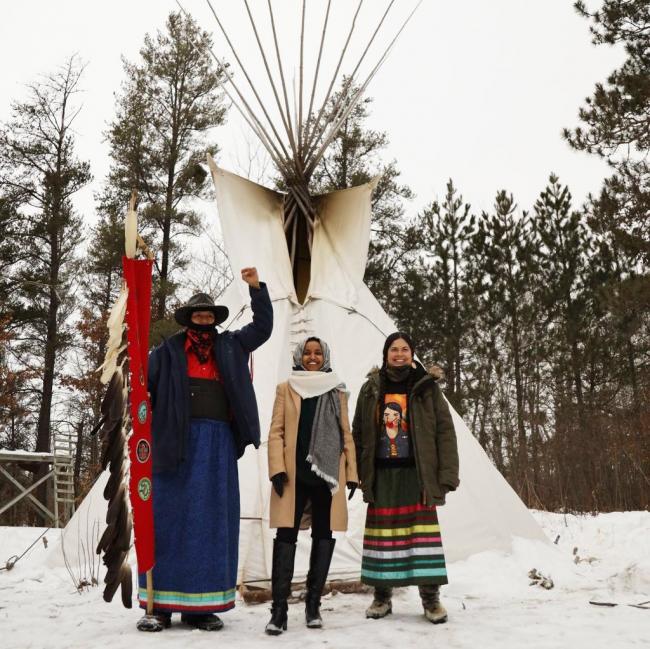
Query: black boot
point(319, 565)
point(155, 622)
point(203, 621)
point(281, 576)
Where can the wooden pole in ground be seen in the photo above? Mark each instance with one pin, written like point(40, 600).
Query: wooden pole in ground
point(150, 591)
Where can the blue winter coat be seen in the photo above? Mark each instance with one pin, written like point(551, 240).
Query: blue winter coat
point(169, 386)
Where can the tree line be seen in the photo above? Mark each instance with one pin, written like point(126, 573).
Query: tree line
point(539, 314)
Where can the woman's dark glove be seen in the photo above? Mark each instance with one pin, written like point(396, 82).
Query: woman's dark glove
point(352, 486)
point(279, 480)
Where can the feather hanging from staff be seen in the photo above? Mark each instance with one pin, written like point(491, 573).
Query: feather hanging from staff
point(114, 430)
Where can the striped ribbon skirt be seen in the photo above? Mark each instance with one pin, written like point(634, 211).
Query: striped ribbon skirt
point(401, 543)
point(196, 523)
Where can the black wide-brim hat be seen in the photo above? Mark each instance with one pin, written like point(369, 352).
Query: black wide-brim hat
point(200, 302)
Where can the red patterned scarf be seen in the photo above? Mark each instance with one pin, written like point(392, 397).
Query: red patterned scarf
point(201, 343)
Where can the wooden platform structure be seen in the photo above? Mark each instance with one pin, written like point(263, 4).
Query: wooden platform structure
point(60, 476)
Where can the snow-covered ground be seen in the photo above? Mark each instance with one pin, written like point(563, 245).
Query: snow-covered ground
point(491, 604)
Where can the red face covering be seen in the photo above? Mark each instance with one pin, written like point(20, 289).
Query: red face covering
point(201, 343)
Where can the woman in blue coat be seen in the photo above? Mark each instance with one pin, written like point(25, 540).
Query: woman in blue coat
point(204, 416)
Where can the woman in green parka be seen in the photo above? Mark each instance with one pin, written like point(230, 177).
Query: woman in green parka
point(407, 461)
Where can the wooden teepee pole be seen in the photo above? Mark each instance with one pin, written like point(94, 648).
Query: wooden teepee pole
point(313, 88)
point(286, 118)
point(292, 141)
point(249, 116)
point(350, 80)
point(257, 126)
point(302, 52)
point(336, 73)
point(313, 162)
point(250, 82)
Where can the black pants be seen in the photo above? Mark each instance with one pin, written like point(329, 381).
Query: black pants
point(321, 503)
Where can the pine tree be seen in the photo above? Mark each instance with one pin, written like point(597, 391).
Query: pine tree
point(502, 253)
point(15, 402)
point(39, 175)
point(431, 301)
point(563, 262)
point(616, 122)
point(168, 103)
point(10, 255)
point(615, 125)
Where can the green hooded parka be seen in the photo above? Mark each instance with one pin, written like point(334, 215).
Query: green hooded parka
point(432, 432)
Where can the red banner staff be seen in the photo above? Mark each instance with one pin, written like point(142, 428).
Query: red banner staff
point(137, 275)
point(124, 428)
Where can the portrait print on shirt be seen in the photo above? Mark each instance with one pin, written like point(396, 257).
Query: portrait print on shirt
point(394, 439)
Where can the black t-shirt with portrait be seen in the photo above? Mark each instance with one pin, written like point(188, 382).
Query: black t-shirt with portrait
point(394, 445)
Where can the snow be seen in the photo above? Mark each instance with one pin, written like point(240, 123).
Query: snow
point(490, 602)
point(34, 454)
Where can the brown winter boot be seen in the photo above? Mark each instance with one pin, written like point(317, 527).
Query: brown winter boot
point(434, 611)
point(381, 605)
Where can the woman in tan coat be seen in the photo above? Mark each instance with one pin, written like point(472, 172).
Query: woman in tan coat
point(311, 457)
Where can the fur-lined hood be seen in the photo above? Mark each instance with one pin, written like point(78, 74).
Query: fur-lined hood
point(435, 371)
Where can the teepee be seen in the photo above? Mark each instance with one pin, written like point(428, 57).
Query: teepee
point(312, 251)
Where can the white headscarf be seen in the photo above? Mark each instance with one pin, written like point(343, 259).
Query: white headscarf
point(312, 384)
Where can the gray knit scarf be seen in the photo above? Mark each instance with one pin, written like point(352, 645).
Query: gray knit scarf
point(326, 442)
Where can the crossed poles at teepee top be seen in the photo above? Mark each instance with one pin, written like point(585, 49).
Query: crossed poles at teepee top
point(307, 136)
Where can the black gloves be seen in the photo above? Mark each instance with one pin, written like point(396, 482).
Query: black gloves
point(279, 480)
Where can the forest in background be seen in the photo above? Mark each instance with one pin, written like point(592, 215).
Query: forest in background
point(538, 314)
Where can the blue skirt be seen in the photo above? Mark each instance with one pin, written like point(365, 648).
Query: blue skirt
point(196, 523)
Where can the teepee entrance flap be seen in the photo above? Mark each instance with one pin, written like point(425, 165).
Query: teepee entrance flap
point(251, 226)
point(340, 247)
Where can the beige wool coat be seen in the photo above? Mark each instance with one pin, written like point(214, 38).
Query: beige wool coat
point(283, 437)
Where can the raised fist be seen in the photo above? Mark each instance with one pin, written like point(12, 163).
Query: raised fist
point(250, 276)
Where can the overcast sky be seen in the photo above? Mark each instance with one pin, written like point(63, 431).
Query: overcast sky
point(477, 91)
